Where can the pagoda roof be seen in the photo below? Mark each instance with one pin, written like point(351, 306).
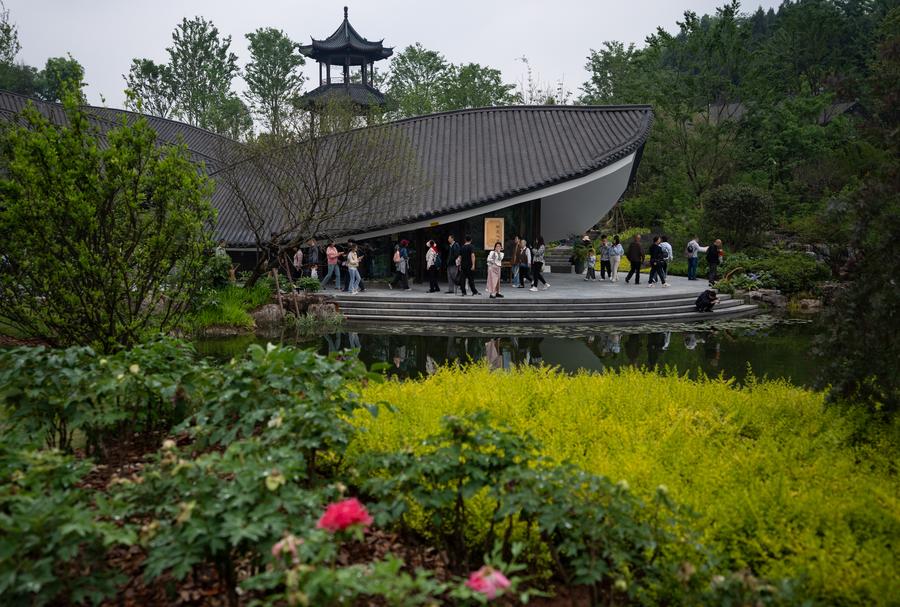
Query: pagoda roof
point(344, 42)
point(359, 94)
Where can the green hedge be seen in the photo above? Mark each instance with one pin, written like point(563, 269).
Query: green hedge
point(789, 271)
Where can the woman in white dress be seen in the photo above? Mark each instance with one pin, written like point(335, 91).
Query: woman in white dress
point(494, 263)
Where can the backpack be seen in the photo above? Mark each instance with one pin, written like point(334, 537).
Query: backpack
point(437, 261)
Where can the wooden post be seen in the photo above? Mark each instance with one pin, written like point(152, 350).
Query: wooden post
point(278, 290)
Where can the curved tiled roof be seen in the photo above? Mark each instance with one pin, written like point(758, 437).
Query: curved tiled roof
point(360, 94)
point(204, 146)
point(346, 40)
point(456, 160)
point(469, 158)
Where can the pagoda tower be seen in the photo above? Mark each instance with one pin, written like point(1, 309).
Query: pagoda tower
point(356, 57)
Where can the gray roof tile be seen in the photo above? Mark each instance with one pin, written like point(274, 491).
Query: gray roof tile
point(458, 160)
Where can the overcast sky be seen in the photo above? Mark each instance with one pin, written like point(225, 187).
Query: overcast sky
point(555, 35)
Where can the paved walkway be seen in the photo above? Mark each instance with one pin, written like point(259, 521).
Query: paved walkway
point(562, 286)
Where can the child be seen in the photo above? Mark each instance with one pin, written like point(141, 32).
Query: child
point(591, 260)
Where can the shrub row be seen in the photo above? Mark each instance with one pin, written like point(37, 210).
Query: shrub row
point(266, 442)
point(782, 486)
point(790, 272)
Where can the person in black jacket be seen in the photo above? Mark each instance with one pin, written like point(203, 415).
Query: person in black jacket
point(657, 258)
point(713, 258)
point(706, 301)
point(635, 256)
point(467, 267)
point(452, 267)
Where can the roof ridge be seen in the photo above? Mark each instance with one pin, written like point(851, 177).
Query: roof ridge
point(85, 106)
point(489, 108)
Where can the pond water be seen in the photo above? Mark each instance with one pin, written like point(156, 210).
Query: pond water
point(769, 346)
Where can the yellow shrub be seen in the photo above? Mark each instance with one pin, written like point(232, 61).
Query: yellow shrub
point(777, 479)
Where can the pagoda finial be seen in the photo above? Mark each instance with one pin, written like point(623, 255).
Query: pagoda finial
point(345, 12)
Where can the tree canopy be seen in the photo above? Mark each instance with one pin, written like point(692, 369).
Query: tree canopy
point(273, 77)
point(422, 81)
point(102, 243)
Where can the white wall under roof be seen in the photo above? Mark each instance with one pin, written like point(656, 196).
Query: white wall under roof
point(578, 208)
point(567, 208)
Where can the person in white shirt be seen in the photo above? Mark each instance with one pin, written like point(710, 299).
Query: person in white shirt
point(494, 263)
point(670, 257)
point(692, 251)
point(524, 264)
point(615, 256)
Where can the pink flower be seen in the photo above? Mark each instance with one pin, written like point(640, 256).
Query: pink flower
point(288, 545)
point(344, 514)
point(488, 581)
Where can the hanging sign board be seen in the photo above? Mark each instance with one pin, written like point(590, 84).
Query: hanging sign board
point(493, 232)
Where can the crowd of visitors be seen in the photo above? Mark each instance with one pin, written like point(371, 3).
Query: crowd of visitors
point(526, 263)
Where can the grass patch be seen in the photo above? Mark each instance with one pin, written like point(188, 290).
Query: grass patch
point(781, 484)
point(230, 306)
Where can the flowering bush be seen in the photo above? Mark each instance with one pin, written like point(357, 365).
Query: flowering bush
point(52, 547)
point(488, 581)
point(54, 395)
point(231, 504)
point(305, 571)
point(346, 514)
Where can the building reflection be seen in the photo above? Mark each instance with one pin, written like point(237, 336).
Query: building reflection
point(414, 356)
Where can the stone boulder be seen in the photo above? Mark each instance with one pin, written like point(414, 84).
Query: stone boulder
point(771, 297)
point(223, 331)
point(811, 306)
point(267, 315)
point(323, 311)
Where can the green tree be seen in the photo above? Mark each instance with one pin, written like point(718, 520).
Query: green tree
point(202, 68)
point(417, 81)
point(231, 117)
point(739, 214)
point(151, 86)
point(272, 76)
point(18, 78)
point(861, 346)
point(9, 37)
point(618, 74)
point(473, 85)
point(309, 181)
point(102, 238)
point(58, 76)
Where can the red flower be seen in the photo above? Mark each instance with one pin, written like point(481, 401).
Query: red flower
point(342, 515)
point(488, 581)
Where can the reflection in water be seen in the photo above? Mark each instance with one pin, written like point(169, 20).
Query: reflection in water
point(776, 350)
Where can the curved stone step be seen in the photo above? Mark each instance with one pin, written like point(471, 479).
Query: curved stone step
point(502, 313)
point(543, 298)
point(456, 305)
point(687, 316)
